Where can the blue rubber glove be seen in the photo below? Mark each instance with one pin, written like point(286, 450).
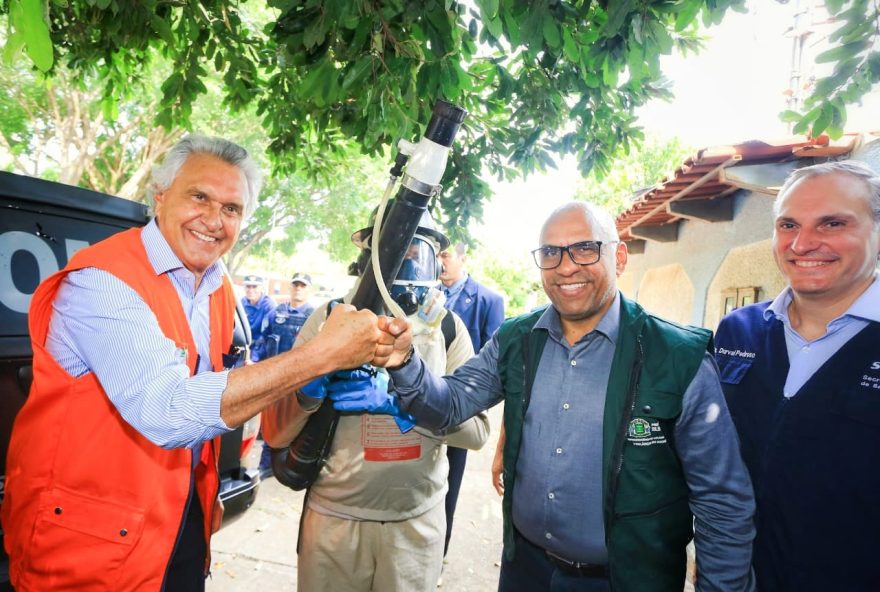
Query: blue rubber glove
point(316, 389)
point(362, 390)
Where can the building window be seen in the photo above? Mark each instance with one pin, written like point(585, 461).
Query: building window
point(734, 298)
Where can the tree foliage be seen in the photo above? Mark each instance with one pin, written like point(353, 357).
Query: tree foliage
point(540, 78)
point(641, 168)
point(855, 68)
point(55, 128)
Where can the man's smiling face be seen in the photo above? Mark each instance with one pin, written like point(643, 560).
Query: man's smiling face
point(825, 239)
point(580, 293)
point(200, 214)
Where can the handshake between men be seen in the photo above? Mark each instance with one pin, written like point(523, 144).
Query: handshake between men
point(363, 389)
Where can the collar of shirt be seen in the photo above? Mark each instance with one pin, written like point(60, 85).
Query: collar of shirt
point(608, 326)
point(455, 288)
point(163, 260)
point(301, 309)
point(865, 306)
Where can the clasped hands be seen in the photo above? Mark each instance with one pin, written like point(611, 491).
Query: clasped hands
point(350, 338)
point(362, 390)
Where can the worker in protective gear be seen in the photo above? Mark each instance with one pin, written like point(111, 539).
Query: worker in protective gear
point(374, 519)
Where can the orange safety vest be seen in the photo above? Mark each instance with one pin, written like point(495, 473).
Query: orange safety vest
point(90, 503)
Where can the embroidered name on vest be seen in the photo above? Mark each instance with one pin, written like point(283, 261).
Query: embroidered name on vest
point(734, 352)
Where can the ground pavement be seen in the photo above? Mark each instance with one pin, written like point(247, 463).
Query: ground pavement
point(256, 551)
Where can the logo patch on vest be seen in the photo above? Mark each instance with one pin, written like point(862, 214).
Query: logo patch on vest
point(642, 432)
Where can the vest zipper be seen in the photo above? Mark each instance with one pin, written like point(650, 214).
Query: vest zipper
point(617, 452)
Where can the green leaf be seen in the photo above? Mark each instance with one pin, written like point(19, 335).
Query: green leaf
point(661, 37)
point(617, 12)
point(512, 26)
point(834, 6)
point(162, 28)
point(27, 18)
point(488, 9)
point(822, 121)
point(844, 51)
point(14, 44)
point(551, 33)
point(356, 72)
point(609, 72)
point(790, 116)
point(838, 119)
point(569, 47)
point(494, 27)
point(687, 14)
point(802, 125)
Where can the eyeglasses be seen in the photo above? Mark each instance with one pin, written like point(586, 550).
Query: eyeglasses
point(582, 253)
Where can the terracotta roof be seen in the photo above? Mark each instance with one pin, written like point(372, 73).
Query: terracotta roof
point(700, 175)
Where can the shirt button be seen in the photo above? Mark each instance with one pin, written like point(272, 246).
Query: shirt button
point(559, 451)
point(565, 405)
point(548, 536)
point(806, 349)
point(551, 495)
point(574, 362)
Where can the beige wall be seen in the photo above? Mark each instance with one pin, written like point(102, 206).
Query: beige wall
point(668, 292)
point(746, 266)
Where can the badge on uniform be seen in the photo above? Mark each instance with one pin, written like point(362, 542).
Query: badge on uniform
point(181, 354)
point(642, 432)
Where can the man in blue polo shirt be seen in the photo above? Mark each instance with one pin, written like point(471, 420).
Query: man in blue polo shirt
point(801, 376)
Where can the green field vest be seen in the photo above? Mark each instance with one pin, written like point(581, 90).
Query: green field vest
point(648, 522)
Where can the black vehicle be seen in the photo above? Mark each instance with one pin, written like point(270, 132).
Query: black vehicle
point(42, 224)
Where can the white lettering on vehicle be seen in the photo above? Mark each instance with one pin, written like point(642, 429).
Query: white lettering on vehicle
point(12, 242)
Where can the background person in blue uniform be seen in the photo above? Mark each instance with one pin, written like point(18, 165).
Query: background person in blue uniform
point(482, 311)
point(801, 375)
point(257, 306)
point(282, 326)
point(279, 330)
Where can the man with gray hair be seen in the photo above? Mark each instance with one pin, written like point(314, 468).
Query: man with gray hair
point(801, 375)
point(617, 434)
point(112, 466)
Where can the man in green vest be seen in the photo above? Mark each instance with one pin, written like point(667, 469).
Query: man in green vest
point(619, 446)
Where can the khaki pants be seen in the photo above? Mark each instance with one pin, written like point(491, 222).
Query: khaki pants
point(338, 555)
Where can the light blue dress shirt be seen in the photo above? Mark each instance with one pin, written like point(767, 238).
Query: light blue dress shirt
point(99, 324)
point(805, 357)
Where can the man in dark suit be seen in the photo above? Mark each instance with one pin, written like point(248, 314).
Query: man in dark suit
point(482, 311)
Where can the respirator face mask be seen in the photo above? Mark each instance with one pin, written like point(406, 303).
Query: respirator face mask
point(418, 274)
